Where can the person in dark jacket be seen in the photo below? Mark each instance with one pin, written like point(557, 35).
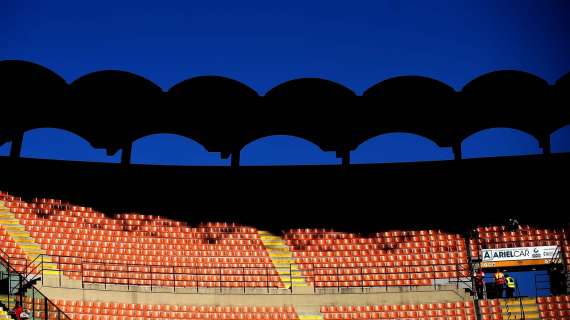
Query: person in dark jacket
point(478, 279)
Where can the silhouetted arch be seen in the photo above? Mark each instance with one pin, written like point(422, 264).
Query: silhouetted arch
point(172, 149)
point(507, 99)
point(310, 88)
point(183, 135)
point(560, 117)
point(115, 81)
point(25, 76)
point(409, 86)
point(506, 82)
point(560, 140)
point(411, 104)
point(224, 114)
point(211, 87)
point(29, 85)
point(68, 131)
point(499, 141)
point(59, 144)
point(285, 150)
point(395, 147)
point(407, 133)
point(470, 133)
point(106, 95)
point(214, 111)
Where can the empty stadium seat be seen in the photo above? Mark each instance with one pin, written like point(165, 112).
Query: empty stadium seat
point(95, 310)
point(554, 307)
point(92, 247)
point(526, 236)
point(453, 310)
point(387, 258)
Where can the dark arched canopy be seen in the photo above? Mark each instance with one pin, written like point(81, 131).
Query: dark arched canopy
point(114, 100)
point(111, 109)
point(310, 88)
point(30, 94)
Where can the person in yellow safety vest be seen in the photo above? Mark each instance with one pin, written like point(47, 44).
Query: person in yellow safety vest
point(499, 284)
point(511, 285)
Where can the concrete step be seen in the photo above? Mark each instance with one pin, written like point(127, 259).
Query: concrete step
point(14, 228)
point(286, 278)
point(3, 314)
point(272, 243)
point(282, 259)
point(527, 316)
point(51, 272)
point(518, 309)
point(292, 273)
point(310, 317)
point(281, 254)
point(24, 240)
point(278, 247)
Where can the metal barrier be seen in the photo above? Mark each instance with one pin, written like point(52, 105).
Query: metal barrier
point(20, 291)
point(194, 278)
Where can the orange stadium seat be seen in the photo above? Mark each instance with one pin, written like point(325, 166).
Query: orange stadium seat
point(387, 249)
point(100, 310)
point(455, 311)
point(91, 241)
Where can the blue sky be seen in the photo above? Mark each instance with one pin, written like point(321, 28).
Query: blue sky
point(264, 43)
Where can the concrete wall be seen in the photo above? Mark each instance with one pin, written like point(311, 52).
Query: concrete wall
point(304, 301)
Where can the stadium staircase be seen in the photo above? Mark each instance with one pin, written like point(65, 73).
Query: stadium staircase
point(282, 259)
point(520, 308)
point(309, 316)
point(25, 241)
point(14, 286)
point(4, 314)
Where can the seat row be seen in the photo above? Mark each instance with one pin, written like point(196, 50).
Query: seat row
point(452, 310)
point(554, 307)
point(121, 237)
point(497, 237)
point(94, 310)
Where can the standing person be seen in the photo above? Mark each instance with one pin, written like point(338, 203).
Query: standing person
point(558, 284)
point(18, 310)
point(478, 278)
point(555, 281)
point(499, 284)
point(511, 285)
point(563, 281)
point(25, 315)
point(513, 225)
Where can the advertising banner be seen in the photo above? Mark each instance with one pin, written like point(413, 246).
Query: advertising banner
point(519, 256)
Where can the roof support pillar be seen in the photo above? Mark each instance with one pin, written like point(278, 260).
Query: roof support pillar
point(16, 148)
point(126, 154)
point(457, 154)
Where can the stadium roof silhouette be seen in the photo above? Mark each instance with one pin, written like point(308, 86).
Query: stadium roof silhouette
point(224, 115)
point(112, 109)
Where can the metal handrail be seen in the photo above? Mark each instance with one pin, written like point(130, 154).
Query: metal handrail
point(24, 281)
point(172, 275)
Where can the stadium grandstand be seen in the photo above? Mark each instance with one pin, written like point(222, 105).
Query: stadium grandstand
point(97, 241)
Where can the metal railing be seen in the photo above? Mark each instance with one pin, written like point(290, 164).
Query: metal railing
point(23, 293)
point(512, 315)
point(194, 278)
